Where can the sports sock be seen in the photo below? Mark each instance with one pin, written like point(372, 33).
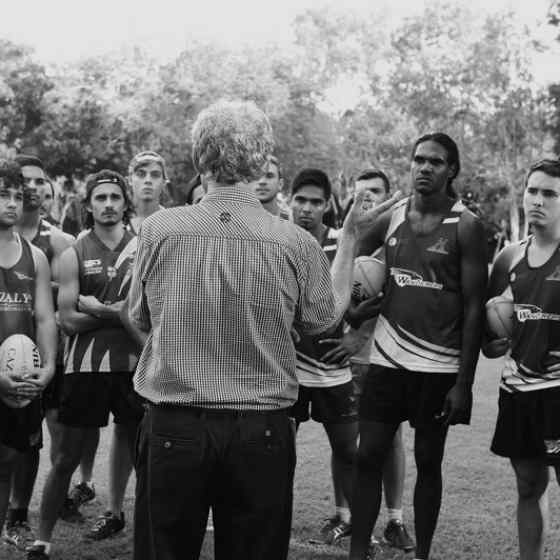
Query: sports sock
point(16, 515)
point(47, 546)
point(343, 514)
point(395, 514)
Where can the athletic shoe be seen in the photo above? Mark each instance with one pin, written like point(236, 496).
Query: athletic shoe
point(106, 526)
point(396, 535)
point(18, 534)
point(69, 512)
point(36, 552)
point(337, 532)
point(329, 525)
point(82, 493)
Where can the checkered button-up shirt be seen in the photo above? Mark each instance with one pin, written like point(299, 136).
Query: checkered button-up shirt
point(220, 285)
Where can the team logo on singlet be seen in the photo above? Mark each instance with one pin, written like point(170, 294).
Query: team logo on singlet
point(21, 276)
point(15, 301)
point(526, 312)
point(440, 246)
point(555, 276)
point(93, 266)
point(392, 242)
point(111, 272)
point(405, 277)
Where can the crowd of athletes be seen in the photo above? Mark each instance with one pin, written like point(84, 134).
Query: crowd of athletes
point(216, 328)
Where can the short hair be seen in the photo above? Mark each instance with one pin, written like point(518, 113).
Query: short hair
point(26, 159)
point(372, 173)
point(144, 158)
point(99, 178)
point(312, 176)
point(274, 160)
point(452, 154)
point(550, 167)
point(10, 174)
point(231, 141)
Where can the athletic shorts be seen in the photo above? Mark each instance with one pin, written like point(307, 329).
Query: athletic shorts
point(528, 425)
point(51, 394)
point(391, 396)
point(328, 405)
point(359, 373)
point(20, 428)
point(86, 399)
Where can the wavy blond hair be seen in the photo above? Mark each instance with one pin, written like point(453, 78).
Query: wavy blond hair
point(231, 140)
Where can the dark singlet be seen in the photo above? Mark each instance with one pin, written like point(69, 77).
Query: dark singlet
point(17, 293)
point(534, 362)
point(311, 372)
point(42, 239)
point(420, 324)
point(105, 274)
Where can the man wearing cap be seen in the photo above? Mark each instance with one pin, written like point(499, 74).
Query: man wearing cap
point(101, 356)
point(147, 176)
point(269, 186)
point(217, 288)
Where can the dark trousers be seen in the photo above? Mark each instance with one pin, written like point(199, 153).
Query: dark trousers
point(241, 464)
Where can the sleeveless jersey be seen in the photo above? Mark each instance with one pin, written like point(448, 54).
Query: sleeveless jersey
point(534, 361)
point(310, 371)
point(105, 274)
point(42, 239)
point(419, 327)
point(17, 294)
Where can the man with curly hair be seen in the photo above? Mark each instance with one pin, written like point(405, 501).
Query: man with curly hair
point(217, 288)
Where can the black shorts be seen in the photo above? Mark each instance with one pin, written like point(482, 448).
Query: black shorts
point(86, 399)
point(391, 396)
point(359, 373)
point(51, 394)
point(525, 422)
point(329, 405)
point(20, 428)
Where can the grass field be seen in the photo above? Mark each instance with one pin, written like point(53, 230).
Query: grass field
point(477, 519)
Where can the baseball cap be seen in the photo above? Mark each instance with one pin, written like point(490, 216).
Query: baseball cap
point(311, 176)
point(105, 176)
point(143, 158)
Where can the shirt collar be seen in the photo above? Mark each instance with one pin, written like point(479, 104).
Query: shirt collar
point(233, 193)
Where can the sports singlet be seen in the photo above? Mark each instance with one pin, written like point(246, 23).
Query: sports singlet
point(17, 293)
point(419, 327)
point(105, 274)
point(42, 239)
point(310, 371)
point(534, 362)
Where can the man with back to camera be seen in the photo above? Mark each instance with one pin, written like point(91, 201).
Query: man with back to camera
point(100, 357)
point(26, 307)
point(356, 344)
point(528, 424)
point(269, 185)
point(217, 287)
point(426, 338)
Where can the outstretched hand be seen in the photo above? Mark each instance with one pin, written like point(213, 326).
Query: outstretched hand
point(362, 215)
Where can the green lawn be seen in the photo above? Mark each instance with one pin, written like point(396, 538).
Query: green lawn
point(477, 519)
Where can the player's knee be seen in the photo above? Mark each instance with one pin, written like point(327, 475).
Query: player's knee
point(426, 462)
point(66, 461)
point(346, 453)
point(371, 458)
point(7, 461)
point(531, 487)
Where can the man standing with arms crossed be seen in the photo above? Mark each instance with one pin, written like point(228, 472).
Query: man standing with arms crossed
point(217, 287)
point(528, 424)
point(426, 339)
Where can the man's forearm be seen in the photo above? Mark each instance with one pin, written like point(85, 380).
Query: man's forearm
point(47, 343)
point(473, 324)
point(342, 272)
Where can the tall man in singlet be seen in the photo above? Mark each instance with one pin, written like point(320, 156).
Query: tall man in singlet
point(326, 392)
point(26, 307)
point(100, 357)
point(52, 242)
point(528, 425)
point(426, 339)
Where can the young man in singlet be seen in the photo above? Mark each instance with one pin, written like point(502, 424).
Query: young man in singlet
point(268, 187)
point(100, 358)
point(326, 391)
point(52, 242)
point(426, 338)
point(528, 424)
point(26, 307)
point(147, 176)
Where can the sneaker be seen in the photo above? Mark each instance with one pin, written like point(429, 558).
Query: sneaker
point(396, 535)
point(36, 552)
point(329, 525)
point(337, 532)
point(70, 513)
point(82, 493)
point(106, 525)
point(19, 534)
